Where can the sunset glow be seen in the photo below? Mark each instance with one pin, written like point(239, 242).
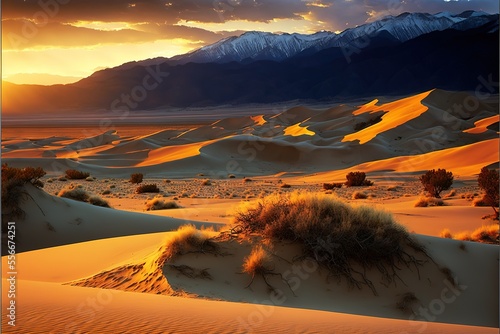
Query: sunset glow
point(76, 38)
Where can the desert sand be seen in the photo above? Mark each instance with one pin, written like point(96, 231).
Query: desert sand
point(87, 269)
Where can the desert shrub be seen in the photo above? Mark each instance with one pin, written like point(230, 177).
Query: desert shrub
point(13, 180)
point(357, 179)
point(231, 176)
point(89, 178)
point(488, 182)
point(285, 185)
point(435, 181)
point(359, 195)
point(482, 201)
point(159, 204)
point(246, 180)
point(330, 186)
point(74, 174)
point(206, 182)
point(97, 201)
point(147, 188)
point(136, 178)
point(446, 233)
point(75, 193)
point(337, 235)
point(428, 201)
point(488, 234)
point(188, 239)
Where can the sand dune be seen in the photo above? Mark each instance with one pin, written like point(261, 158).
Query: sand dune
point(312, 140)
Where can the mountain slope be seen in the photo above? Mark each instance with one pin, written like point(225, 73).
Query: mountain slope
point(449, 59)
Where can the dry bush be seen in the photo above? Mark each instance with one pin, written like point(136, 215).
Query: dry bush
point(480, 201)
point(231, 176)
point(206, 182)
point(488, 234)
point(136, 178)
point(13, 180)
point(334, 233)
point(74, 192)
point(147, 188)
point(357, 179)
point(285, 185)
point(77, 193)
point(488, 181)
point(446, 233)
point(428, 201)
point(331, 186)
point(97, 201)
point(159, 204)
point(188, 239)
point(74, 174)
point(246, 180)
point(359, 195)
point(435, 181)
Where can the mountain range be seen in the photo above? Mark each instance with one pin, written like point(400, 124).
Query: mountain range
point(408, 53)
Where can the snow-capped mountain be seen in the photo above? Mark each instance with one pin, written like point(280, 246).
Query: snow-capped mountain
point(268, 46)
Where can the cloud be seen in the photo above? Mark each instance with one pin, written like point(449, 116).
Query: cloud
point(342, 14)
point(24, 34)
point(155, 11)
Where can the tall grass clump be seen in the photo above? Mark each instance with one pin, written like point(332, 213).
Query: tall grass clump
point(345, 240)
point(188, 239)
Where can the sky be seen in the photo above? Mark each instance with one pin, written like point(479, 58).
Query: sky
point(61, 41)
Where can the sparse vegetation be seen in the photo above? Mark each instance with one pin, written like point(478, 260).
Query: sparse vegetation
point(359, 195)
point(206, 182)
point(357, 179)
point(74, 174)
point(147, 188)
point(13, 179)
point(338, 236)
point(331, 186)
point(488, 234)
point(435, 181)
point(285, 185)
point(488, 181)
point(159, 204)
point(77, 193)
point(136, 178)
point(428, 201)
